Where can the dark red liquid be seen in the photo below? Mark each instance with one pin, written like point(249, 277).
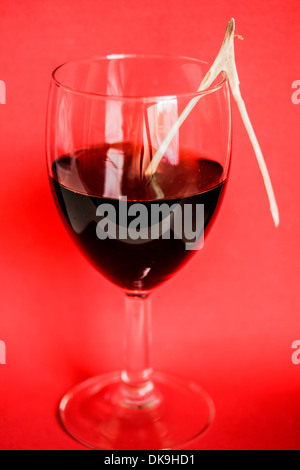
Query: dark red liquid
point(102, 174)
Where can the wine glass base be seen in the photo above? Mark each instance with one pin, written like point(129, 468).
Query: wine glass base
point(91, 414)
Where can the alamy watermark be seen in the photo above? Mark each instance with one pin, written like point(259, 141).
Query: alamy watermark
point(2, 92)
point(137, 222)
point(296, 354)
point(2, 352)
point(296, 94)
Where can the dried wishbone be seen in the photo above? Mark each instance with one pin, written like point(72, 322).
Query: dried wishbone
point(223, 63)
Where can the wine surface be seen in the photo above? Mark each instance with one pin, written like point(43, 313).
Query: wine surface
point(107, 174)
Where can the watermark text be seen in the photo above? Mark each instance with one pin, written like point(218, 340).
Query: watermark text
point(296, 354)
point(2, 92)
point(296, 93)
point(135, 222)
point(2, 352)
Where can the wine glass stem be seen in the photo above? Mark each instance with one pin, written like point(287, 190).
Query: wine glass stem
point(137, 389)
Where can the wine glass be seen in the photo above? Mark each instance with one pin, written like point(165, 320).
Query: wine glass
point(136, 222)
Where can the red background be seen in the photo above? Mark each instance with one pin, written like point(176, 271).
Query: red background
point(229, 318)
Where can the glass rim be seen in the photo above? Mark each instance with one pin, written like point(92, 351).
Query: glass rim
point(212, 88)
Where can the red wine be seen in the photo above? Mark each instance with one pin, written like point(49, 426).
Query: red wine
point(99, 175)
